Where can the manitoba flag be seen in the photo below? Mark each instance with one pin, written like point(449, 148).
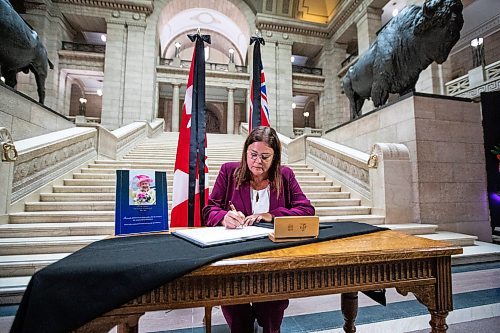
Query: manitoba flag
point(191, 171)
point(259, 111)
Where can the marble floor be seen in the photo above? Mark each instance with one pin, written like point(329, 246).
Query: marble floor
point(476, 297)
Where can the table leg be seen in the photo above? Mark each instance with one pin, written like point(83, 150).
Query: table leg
point(438, 322)
point(349, 306)
point(131, 325)
point(208, 319)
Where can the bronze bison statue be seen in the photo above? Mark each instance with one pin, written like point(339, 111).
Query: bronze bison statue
point(409, 43)
point(21, 50)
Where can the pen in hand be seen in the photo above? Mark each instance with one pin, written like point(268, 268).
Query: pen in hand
point(233, 209)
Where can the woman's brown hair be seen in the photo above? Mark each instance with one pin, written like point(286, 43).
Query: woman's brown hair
point(269, 136)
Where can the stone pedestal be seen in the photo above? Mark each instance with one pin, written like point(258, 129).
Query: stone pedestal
point(444, 138)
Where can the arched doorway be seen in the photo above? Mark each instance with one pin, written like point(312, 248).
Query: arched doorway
point(212, 122)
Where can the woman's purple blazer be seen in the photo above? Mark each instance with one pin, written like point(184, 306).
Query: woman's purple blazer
point(291, 200)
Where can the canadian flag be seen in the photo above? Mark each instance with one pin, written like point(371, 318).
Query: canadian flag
point(189, 182)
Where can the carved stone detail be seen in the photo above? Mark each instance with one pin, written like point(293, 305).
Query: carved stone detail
point(343, 165)
point(131, 6)
point(387, 151)
point(33, 167)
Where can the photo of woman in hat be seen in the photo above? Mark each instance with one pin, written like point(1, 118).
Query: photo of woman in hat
point(142, 191)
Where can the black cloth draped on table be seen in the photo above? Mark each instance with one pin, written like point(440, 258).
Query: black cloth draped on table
point(106, 274)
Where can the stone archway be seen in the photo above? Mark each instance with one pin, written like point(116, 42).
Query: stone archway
point(212, 122)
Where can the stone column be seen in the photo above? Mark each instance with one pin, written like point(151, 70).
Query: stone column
point(284, 95)
point(133, 74)
point(66, 101)
point(333, 104)
point(175, 108)
point(247, 105)
point(367, 24)
point(114, 63)
point(269, 62)
point(433, 78)
point(50, 27)
point(230, 111)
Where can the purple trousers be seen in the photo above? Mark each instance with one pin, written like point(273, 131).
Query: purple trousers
point(241, 317)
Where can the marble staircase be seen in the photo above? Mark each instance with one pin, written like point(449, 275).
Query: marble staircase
point(81, 210)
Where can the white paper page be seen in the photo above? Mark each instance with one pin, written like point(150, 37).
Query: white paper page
point(215, 235)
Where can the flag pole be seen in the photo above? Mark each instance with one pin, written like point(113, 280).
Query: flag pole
point(256, 89)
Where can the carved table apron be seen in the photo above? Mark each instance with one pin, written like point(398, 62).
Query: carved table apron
point(385, 259)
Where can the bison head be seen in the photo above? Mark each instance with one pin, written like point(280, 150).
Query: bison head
point(440, 22)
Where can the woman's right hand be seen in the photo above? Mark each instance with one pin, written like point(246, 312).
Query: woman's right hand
point(233, 219)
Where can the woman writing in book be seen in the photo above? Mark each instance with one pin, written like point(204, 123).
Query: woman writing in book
point(254, 190)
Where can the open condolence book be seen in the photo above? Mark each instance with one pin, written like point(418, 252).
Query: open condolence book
point(211, 236)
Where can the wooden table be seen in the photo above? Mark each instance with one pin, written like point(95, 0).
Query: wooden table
point(386, 259)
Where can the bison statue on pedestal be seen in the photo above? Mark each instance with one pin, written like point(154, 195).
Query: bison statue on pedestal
point(21, 49)
point(409, 43)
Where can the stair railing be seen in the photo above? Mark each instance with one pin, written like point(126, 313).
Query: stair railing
point(47, 158)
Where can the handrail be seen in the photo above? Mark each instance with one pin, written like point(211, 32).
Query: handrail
point(208, 65)
point(462, 83)
point(83, 47)
point(307, 70)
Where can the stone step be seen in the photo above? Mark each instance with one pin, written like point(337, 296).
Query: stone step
point(142, 164)
point(477, 253)
point(327, 195)
point(61, 217)
point(38, 245)
point(112, 171)
point(84, 189)
point(213, 176)
point(12, 289)
point(26, 264)
point(111, 182)
point(69, 206)
point(412, 228)
point(348, 210)
point(452, 237)
point(59, 197)
point(366, 218)
point(335, 202)
point(319, 188)
point(57, 229)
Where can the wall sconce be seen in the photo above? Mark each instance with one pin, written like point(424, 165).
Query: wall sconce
point(294, 105)
point(231, 56)
point(292, 59)
point(104, 38)
point(177, 49)
point(477, 52)
point(2, 78)
point(83, 106)
point(99, 92)
point(306, 118)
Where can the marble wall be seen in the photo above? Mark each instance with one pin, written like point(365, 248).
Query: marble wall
point(25, 118)
point(445, 141)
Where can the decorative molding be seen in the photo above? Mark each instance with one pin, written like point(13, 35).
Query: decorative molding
point(270, 23)
point(476, 91)
point(336, 161)
point(126, 5)
point(239, 286)
point(425, 294)
point(35, 168)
